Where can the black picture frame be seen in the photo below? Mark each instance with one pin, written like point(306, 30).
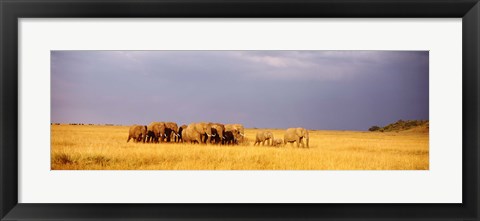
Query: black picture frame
point(12, 10)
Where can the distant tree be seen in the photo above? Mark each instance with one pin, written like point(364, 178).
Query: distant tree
point(374, 128)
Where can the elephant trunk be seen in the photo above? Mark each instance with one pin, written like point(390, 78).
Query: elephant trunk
point(272, 140)
point(307, 142)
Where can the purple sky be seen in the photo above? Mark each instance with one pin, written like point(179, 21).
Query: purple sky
point(336, 90)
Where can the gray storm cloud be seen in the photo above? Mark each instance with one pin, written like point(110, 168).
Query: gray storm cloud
point(338, 90)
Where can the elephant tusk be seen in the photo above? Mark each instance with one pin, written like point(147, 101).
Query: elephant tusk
point(242, 134)
point(223, 137)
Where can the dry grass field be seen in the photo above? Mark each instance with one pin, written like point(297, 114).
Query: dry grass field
point(105, 148)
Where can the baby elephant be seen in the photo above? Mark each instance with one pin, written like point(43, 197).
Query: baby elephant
point(278, 142)
point(263, 136)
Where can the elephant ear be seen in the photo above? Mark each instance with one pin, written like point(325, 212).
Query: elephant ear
point(198, 127)
point(298, 132)
point(206, 127)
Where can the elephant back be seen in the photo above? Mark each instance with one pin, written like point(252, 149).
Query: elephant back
point(132, 129)
point(290, 134)
point(154, 124)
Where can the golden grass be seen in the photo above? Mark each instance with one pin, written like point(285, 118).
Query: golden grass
point(105, 148)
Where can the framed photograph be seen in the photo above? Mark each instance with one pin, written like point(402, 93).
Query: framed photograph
point(239, 110)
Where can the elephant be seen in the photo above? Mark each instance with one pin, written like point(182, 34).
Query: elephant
point(241, 132)
point(277, 142)
point(186, 135)
point(237, 131)
point(179, 137)
point(171, 131)
point(214, 137)
point(156, 132)
point(218, 131)
point(138, 133)
point(200, 132)
point(296, 135)
point(231, 134)
point(229, 138)
point(263, 136)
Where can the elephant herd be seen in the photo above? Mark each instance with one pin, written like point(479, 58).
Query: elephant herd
point(203, 132)
point(210, 133)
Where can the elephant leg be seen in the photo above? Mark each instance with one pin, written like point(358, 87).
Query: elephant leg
point(199, 139)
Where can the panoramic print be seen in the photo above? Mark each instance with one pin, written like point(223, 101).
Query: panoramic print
point(239, 110)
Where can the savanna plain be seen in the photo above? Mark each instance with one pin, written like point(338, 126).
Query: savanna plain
point(99, 147)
